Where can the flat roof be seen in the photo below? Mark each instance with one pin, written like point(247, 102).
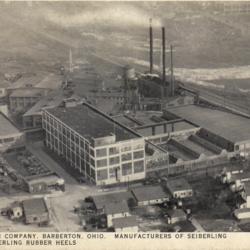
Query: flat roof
point(91, 123)
point(178, 184)
point(35, 206)
point(176, 213)
point(50, 101)
point(129, 221)
point(241, 176)
point(148, 193)
point(26, 81)
point(4, 84)
point(247, 188)
point(6, 127)
point(27, 92)
point(116, 207)
point(101, 200)
point(196, 147)
point(228, 125)
point(51, 81)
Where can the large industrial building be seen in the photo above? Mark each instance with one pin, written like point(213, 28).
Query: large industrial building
point(101, 149)
point(9, 134)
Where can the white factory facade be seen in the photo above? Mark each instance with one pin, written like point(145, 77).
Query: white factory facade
point(100, 149)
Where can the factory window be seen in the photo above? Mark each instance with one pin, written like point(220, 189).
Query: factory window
point(113, 150)
point(138, 154)
point(126, 148)
point(92, 173)
point(92, 152)
point(77, 139)
point(114, 160)
point(92, 162)
point(87, 169)
point(138, 146)
point(138, 166)
point(82, 143)
point(102, 174)
point(126, 169)
point(101, 152)
point(126, 157)
point(101, 163)
point(113, 172)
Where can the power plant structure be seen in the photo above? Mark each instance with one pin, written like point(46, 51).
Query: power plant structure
point(157, 84)
point(152, 84)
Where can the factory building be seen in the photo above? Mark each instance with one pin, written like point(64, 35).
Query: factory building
point(3, 88)
point(24, 98)
point(101, 149)
point(224, 130)
point(9, 134)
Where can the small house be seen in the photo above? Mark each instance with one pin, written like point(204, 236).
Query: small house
point(150, 195)
point(116, 210)
point(125, 224)
point(242, 213)
point(179, 188)
point(15, 211)
point(176, 215)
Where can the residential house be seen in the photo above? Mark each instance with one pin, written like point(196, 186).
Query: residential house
point(150, 195)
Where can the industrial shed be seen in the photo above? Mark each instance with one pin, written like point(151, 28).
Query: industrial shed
point(35, 211)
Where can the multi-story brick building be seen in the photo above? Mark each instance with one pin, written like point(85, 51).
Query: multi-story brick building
point(101, 149)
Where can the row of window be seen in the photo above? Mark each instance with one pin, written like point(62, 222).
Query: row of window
point(115, 150)
point(116, 160)
point(126, 169)
point(75, 161)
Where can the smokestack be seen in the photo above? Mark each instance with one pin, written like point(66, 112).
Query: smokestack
point(70, 61)
point(172, 71)
point(163, 61)
point(151, 45)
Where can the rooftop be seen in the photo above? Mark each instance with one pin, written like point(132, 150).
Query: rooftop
point(230, 126)
point(176, 213)
point(129, 221)
point(6, 127)
point(116, 208)
point(29, 81)
point(4, 84)
point(91, 123)
point(51, 81)
point(241, 176)
point(178, 184)
point(34, 206)
point(27, 92)
point(50, 101)
point(101, 200)
point(247, 188)
point(148, 193)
